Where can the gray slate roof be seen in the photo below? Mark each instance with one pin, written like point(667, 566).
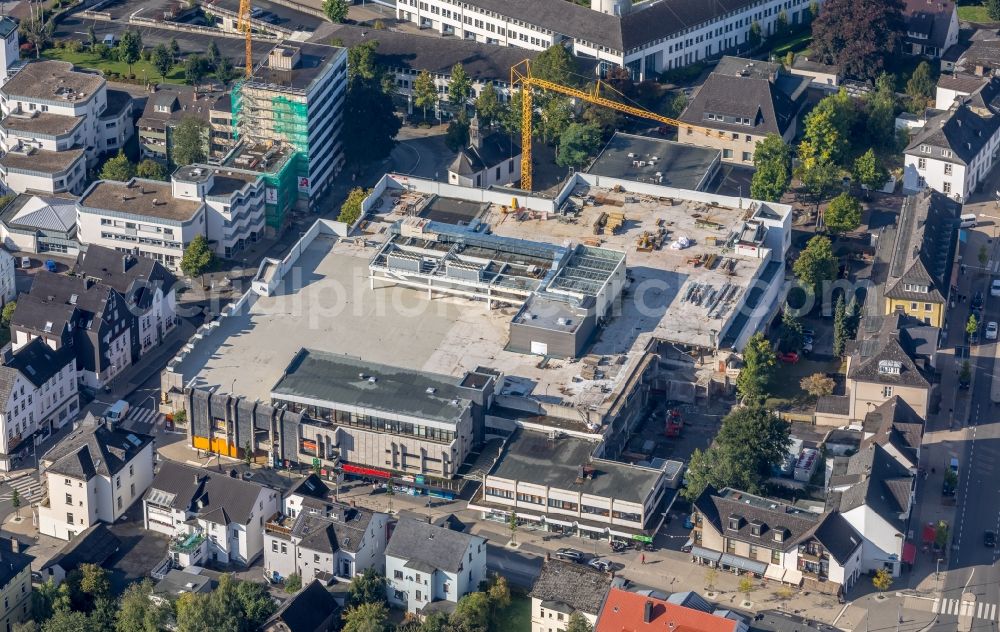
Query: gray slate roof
point(434, 547)
point(965, 129)
point(93, 545)
point(924, 249)
point(11, 563)
point(866, 368)
point(306, 610)
point(212, 495)
point(37, 362)
point(332, 527)
point(717, 507)
point(895, 422)
point(874, 479)
point(569, 587)
point(930, 18)
point(36, 212)
point(134, 277)
point(837, 536)
point(94, 449)
point(496, 149)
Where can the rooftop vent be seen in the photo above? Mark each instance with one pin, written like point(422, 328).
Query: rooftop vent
point(430, 390)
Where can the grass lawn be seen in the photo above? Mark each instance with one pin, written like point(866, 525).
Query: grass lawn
point(795, 42)
point(516, 617)
point(973, 13)
point(785, 389)
point(86, 59)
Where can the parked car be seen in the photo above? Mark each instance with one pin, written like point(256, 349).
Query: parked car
point(953, 464)
point(991, 330)
point(50, 265)
point(807, 339)
point(990, 539)
point(809, 333)
point(995, 288)
point(25, 262)
point(977, 301)
point(807, 347)
point(570, 555)
point(791, 357)
point(688, 523)
point(598, 564)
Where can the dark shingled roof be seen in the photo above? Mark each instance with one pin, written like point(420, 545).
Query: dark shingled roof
point(838, 537)
point(717, 507)
point(895, 422)
point(136, 278)
point(329, 527)
point(924, 249)
point(95, 449)
point(221, 498)
point(92, 546)
point(965, 129)
point(11, 563)
point(871, 477)
point(37, 362)
point(888, 349)
point(930, 18)
point(569, 587)
point(961, 83)
point(496, 149)
point(425, 544)
point(307, 610)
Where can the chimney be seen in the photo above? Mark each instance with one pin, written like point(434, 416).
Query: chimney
point(647, 612)
point(125, 262)
point(197, 479)
point(475, 136)
point(15, 545)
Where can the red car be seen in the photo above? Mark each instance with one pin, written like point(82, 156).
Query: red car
point(791, 357)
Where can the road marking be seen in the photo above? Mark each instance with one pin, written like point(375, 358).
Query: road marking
point(973, 609)
point(27, 488)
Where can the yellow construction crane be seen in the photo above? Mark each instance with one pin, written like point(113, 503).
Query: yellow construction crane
point(520, 75)
point(243, 24)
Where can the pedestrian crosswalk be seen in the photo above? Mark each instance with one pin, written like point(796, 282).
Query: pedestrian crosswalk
point(143, 419)
point(974, 609)
point(27, 488)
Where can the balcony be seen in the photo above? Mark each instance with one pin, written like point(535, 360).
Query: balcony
point(187, 544)
point(813, 555)
point(279, 525)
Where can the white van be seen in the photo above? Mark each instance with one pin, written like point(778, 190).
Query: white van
point(968, 220)
point(117, 411)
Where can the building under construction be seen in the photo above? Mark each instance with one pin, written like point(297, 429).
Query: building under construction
point(288, 116)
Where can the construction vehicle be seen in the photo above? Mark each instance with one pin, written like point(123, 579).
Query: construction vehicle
point(520, 76)
point(674, 423)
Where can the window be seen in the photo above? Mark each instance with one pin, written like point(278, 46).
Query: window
point(69, 518)
point(753, 551)
point(775, 556)
point(928, 307)
point(925, 149)
point(397, 574)
point(886, 391)
point(947, 154)
point(69, 499)
point(730, 545)
point(948, 169)
point(946, 187)
point(316, 557)
point(119, 502)
point(921, 163)
point(274, 546)
point(727, 153)
point(284, 548)
point(747, 156)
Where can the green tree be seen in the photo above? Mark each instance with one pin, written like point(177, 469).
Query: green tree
point(472, 613)
point(91, 36)
point(189, 139)
point(816, 264)
point(869, 172)
point(198, 257)
point(759, 363)
point(137, 613)
point(44, 599)
point(488, 106)
point(881, 116)
point(248, 454)
point(827, 131)
point(66, 621)
point(993, 10)
point(460, 86)
point(37, 31)
point(366, 617)
point(212, 53)
point(843, 215)
point(434, 622)
point(819, 181)
point(94, 581)
point(362, 61)
point(852, 319)
point(790, 336)
point(817, 385)
point(745, 586)
point(839, 331)
point(175, 48)
point(756, 35)
point(858, 35)
point(163, 60)
point(129, 48)
point(255, 605)
point(882, 580)
point(151, 170)
point(457, 135)
point(102, 617)
point(941, 534)
point(118, 168)
point(15, 501)
point(368, 101)
point(578, 623)
point(368, 587)
point(512, 526)
point(350, 211)
point(555, 64)
point(920, 87)
point(555, 116)
point(425, 93)
point(224, 70)
point(577, 144)
point(773, 162)
point(7, 313)
point(950, 481)
point(336, 10)
point(972, 325)
point(964, 377)
point(195, 69)
point(498, 593)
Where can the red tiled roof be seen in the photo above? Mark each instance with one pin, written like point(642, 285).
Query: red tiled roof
point(624, 612)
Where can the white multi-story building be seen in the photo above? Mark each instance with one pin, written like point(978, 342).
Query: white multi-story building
point(8, 287)
point(38, 394)
point(955, 150)
point(425, 563)
point(210, 516)
point(93, 475)
point(564, 588)
point(233, 202)
point(647, 38)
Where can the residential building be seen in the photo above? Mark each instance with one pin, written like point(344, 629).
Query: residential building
point(312, 609)
point(954, 151)
point(951, 87)
point(769, 538)
point(931, 27)
point(210, 516)
point(294, 100)
point(561, 485)
point(40, 224)
point(896, 427)
point(822, 76)
point(650, 160)
point(15, 582)
point(25, 168)
point(979, 56)
point(324, 539)
point(93, 546)
point(645, 38)
point(38, 395)
point(740, 103)
point(116, 123)
point(874, 493)
point(165, 109)
point(425, 563)
point(221, 128)
point(10, 53)
point(148, 288)
point(93, 475)
point(8, 286)
point(492, 158)
point(179, 582)
point(233, 201)
point(563, 588)
point(636, 612)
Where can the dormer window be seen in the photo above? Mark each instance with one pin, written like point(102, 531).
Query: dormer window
point(925, 149)
point(756, 527)
point(779, 534)
point(735, 522)
point(889, 367)
point(946, 153)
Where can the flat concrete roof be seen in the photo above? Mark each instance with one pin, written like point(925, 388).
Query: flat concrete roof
point(313, 60)
point(656, 161)
point(139, 197)
point(565, 463)
point(42, 123)
point(42, 160)
point(52, 81)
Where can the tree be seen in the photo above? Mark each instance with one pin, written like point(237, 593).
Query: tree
point(964, 375)
point(993, 10)
point(189, 139)
point(457, 136)
point(711, 575)
point(350, 211)
point(745, 586)
point(335, 10)
point(781, 24)
point(212, 53)
point(758, 366)
point(163, 60)
point(852, 319)
point(136, 613)
point(248, 453)
point(197, 258)
point(37, 31)
point(368, 101)
point(151, 170)
point(43, 600)
point(175, 48)
point(224, 70)
point(817, 385)
point(368, 587)
point(66, 621)
point(102, 617)
point(7, 313)
point(839, 332)
point(881, 119)
point(255, 604)
point(756, 35)
point(819, 181)
point(790, 336)
point(773, 162)
point(488, 107)
point(843, 215)
point(471, 613)
point(94, 581)
point(366, 617)
point(129, 48)
point(512, 526)
point(91, 36)
point(972, 325)
point(577, 144)
point(460, 86)
point(195, 69)
point(578, 623)
point(983, 256)
point(920, 87)
point(941, 534)
point(362, 61)
point(816, 264)
point(118, 168)
point(827, 130)
point(869, 172)
point(555, 64)
point(882, 580)
point(950, 481)
point(858, 35)
point(15, 501)
point(498, 593)
point(555, 116)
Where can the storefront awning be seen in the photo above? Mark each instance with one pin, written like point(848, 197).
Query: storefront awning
point(774, 572)
point(792, 576)
point(744, 564)
point(705, 554)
